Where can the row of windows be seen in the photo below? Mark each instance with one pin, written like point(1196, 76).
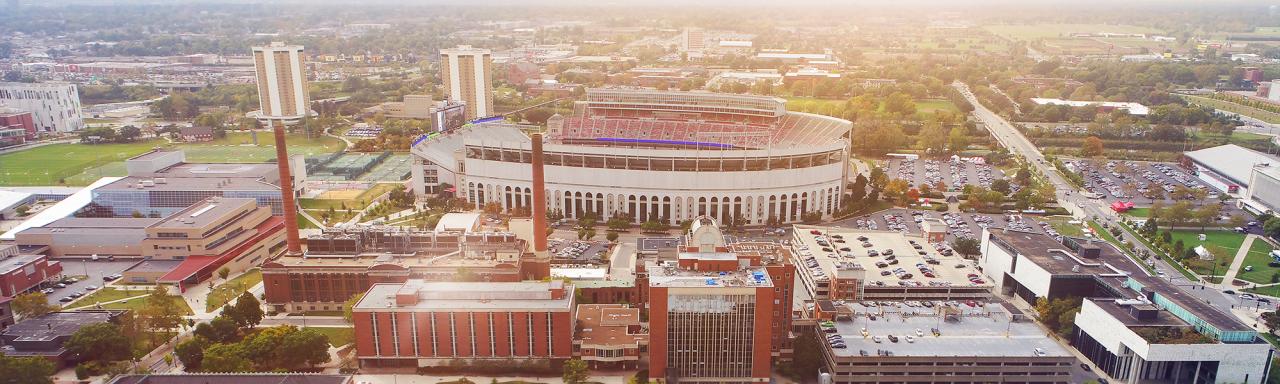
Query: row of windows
point(689, 164)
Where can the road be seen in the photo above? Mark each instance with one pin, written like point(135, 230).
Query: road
point(1068, 196)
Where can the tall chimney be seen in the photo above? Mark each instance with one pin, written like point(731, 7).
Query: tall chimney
point(539, 198)
point(286, 190)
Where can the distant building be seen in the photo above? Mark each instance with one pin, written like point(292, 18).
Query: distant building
point(160, 183)
point(714, 314)
point(281, 76)
point(809, 74)
point(196, 134)
point(44, 336)
point(54, 107)
point(413, 107)
point(419, 323)
point(693, 40)
point(1252, 74)
point(465, 72)
point(521, 71)
point(1106, 106)
point(16, 127)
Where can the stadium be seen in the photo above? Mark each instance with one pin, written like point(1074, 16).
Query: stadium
point(652, 155)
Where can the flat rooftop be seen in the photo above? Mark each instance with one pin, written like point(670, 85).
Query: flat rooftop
point(470, 296)
point(669, 275)
point(1037, 248)
point(983, 331)
point(155, 266)
point(56, 324)
point(205, 212)
point(609, 324)
point(170, 183)
point(14, 263)
point(945, 271)
point(1059, 259)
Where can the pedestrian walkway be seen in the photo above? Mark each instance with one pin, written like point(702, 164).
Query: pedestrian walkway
point(1241, 254)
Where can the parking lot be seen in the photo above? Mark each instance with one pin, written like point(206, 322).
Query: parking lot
point(95, 270)
point(1137, 180)
point(958, 224)
point(954, 173)
point(578, 251)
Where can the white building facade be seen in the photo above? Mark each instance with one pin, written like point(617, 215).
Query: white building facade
point(282, 82)
point(54, 107)
point(466, 72)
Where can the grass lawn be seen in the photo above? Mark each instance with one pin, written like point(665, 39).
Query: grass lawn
point(1062, 225)
point(304, 223)
point(1267, 116)
point(139, 303)
point(357, 203)
point(1139, 212)
point(1222, 244)
point(46, 165)
point(338, 336)
point(1273, 291)
point(238, 147)
point(1259, 257)
point(928, 106)
point(106, 294)
point(230, 290)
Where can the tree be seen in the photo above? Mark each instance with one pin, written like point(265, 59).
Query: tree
point(191, 352)
point(859, 188)
point(932, 138)
point(1272, 227)
point(348, 305)
point(611, 236)
point(219, 330)
point(303, 346)
point(1058, 314)
point(28, 305)
point(25, 370)
point(224, 271)
point(1272, 320)
point(225, 358)
point(1092, 147)
point(1001, 185)
point(959, 139)
point(249, 310)
point(575, 372)
point(966, 246)
point(161, 311)
point(100, 342)
point(129, 133)
point(1207, 214)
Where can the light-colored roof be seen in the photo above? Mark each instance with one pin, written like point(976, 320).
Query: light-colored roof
point(458, 221)
point(62, 209)
point(1232, 161)
point(475, 296)
point(1132, 108)
point(10, 199)
point(974, 334)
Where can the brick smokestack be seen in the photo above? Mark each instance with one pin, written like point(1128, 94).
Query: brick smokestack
point(539, 198)
point(286, 190)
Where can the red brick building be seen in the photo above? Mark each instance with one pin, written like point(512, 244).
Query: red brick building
point(420, 323)
point(16, 127)
point(341, 263)
point(610, 336)
point(717, 313)
point(22, 273)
